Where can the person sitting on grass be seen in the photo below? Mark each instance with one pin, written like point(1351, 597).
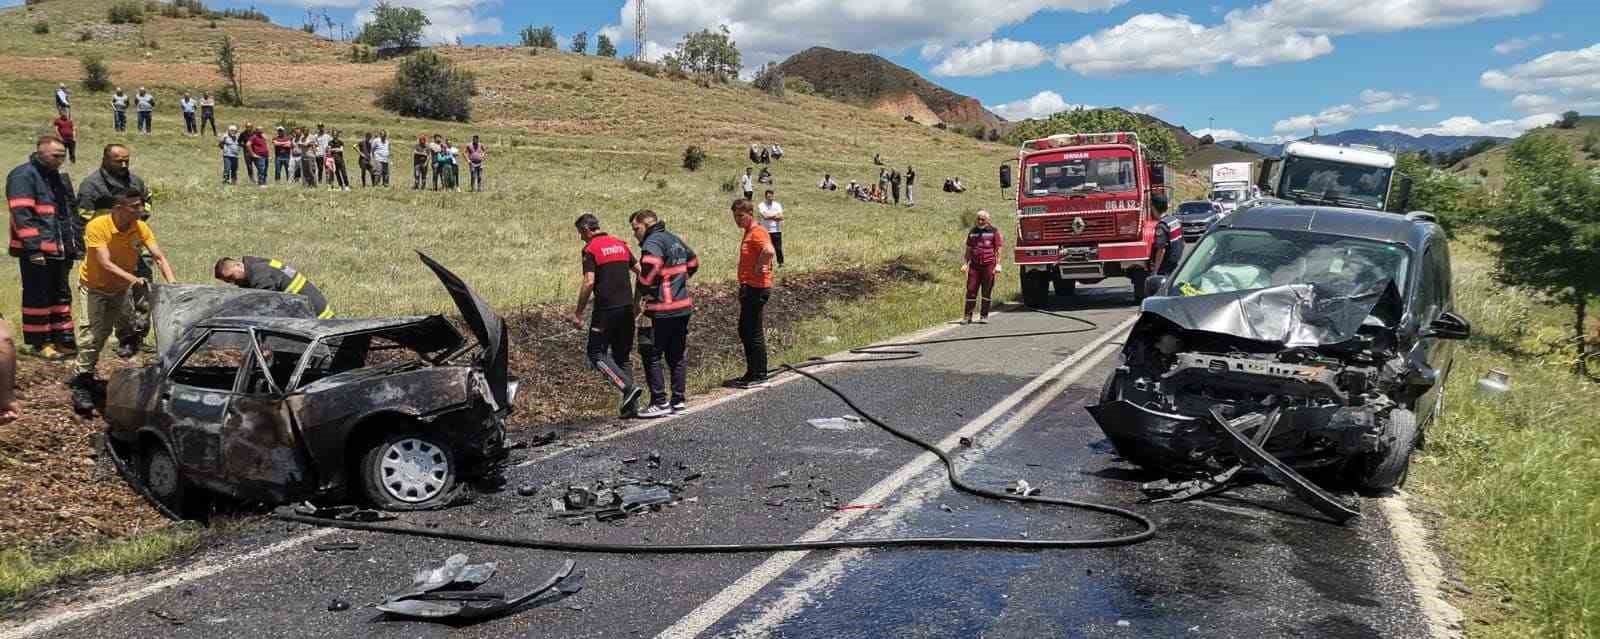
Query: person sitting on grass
point(827, 183)
point(765, 177)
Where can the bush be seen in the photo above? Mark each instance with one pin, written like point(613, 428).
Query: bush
point(363, 54)
point(770, 80)
point(540, 38)
point(211, 25)
point(694, 157)
point(604, 48)
point(729, 185)
point(96, 77)
point(647, 68)
point(587, 75)
point(41, 27)
point(1569, 120)
point(394, 26)
point(580, 42)
point(426, 85)
point(85, 35)
point(799, 85)
point(126, 12)
point(661, 184)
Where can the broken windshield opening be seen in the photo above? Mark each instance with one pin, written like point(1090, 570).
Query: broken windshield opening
point(345, 353)
point(1240, 260)
point(1084, 175)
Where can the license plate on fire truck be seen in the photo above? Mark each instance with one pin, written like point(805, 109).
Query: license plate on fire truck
point(1077, 253)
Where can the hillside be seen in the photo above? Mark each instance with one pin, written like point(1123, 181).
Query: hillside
point(873, 82)
point(1490, 166)
point(1393, 141)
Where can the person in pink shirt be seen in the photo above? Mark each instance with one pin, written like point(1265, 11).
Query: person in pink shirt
point(476, 154)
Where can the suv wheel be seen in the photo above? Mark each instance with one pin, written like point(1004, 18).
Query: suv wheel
point(1382, 472)
point(409, 471)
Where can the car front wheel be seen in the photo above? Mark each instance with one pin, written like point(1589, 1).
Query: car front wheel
point(1385, 471)
point(409, 471)
point(166, 484)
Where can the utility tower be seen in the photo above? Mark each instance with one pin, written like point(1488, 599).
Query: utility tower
point(638, 30)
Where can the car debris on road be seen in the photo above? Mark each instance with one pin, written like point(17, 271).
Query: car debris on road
point(449, 592)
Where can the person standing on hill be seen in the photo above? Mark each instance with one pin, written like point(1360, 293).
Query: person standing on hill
point(259, 150)
point(249, 154)
point(66, 129)
point(981, 262)
point(747, 185)
point(324, 171)
point(380, 159)
point(187, 104)
point(476, 154)
point(772, 220)
point(364, 161)
point(208, 113)
point(46, 237)
point(665, 266)
point(114, 244)
point(310, 166)
point(608, 276)
point(756, 256)
point(455, 167)
point(231, 148)
point(119, 110)
point(894, 185)
point(63, 103)
point(336, 170)
point(911, 185)
point(282, 153)
point(441, 162)
point(420, 157)
point(145, 104)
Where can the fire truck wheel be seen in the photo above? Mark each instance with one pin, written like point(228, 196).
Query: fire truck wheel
point(1035, 289)
point(1065, 288)
point(1138, 278)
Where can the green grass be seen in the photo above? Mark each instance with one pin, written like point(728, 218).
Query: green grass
point(23, 571)
point(1517, 476)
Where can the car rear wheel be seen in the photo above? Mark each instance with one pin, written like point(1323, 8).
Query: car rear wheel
point(1035, 288)
point(166, 484)
point(1381, 472)
point(409, 471)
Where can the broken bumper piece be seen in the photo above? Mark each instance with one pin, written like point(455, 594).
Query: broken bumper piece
point(446, 592)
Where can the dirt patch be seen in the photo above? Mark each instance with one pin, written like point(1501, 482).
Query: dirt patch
point(55, 491)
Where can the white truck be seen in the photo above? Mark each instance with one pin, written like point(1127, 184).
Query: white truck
point(1231, 185)
point(1324, 174)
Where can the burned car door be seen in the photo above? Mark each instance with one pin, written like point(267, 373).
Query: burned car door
point(196, 398)
point(263, 456)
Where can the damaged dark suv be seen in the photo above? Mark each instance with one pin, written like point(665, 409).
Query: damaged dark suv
point(1292, 338)
point(254, 398)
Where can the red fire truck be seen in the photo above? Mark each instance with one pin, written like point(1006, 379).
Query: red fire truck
point(1087, 209)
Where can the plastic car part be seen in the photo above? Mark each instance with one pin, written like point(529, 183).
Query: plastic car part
point(1280, 472)
point(427, 598)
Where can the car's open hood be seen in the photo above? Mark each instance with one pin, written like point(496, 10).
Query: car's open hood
point(176, 307)
point(1297, 315)
point(485, 325)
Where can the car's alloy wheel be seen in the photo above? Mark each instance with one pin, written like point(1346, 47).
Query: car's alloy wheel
point(414, 470)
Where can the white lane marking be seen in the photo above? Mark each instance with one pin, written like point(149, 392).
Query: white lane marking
point(1422, 567)
point(724, 602)
point(208, 568)
point(797, 596)
point(80, 611)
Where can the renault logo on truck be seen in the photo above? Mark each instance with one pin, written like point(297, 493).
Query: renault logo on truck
point(1078, 225)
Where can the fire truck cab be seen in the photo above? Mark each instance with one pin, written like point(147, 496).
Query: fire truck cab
point(1087, 209)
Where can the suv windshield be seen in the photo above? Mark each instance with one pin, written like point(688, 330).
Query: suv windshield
point(1194, 208)
point(1087, 175)
point(1322, 182)
point(1246, 259)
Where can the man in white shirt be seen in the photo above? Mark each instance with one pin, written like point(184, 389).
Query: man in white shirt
point(145, 105)
point(747, 185)
point(380, 158)
point(63, 103)
point(772, 218)
point(188, 105)
point(323, 140)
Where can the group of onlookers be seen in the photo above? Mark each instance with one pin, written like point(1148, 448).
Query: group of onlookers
point(765, 153)
point(885, 191)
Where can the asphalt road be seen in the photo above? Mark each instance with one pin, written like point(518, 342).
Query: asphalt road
point(1252, 562)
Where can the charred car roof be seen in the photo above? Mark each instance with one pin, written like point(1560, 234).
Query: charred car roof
point(428, 334)
point(1331, 220)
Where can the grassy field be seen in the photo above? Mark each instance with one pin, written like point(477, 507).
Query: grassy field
point(1490, 166)
point(1517, 476)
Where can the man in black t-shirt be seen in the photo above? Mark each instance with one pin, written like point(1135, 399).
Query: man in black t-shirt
point(608, 268)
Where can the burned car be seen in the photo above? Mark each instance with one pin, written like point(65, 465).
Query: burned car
point(1292, 339)
point(254, 398)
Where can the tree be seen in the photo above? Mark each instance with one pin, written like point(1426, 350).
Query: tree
point(426, 85)
point(1158, 139)
point(543, 37)
point(1207, 140)
point(228, 65)
point(1436, 191)
point(770, 79)
point(603, 46)
point(710, 54)
point(1569, 120)
point(96, 77)
point(799, 85)
point(580, 42)
point(1545, 231)
point(394, 27)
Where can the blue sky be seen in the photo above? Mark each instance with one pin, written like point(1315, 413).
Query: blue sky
point(1264, 69)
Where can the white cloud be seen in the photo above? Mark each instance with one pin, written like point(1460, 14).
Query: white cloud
point(1373, 101)
point(612, 31)
point(768, 31)
point(1517, 44)
point(1553, 82)
point(1428, 104)
point(1273, 32)
point(1230, 135)
point(1467, 125)
point(1331, 116)
point(1041, 105)
point(449, 19)
point(990, 57)
point(1370, 101)
point(1148, 109)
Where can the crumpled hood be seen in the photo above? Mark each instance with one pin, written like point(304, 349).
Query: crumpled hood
point(485, 325)
point(175, 307)
point(1296, 315)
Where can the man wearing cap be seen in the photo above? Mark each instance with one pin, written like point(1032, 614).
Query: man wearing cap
point(608, 268)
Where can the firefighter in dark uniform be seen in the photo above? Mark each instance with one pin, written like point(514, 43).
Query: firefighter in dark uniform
point(608, 270)
point(980, 262)
point(272, 275)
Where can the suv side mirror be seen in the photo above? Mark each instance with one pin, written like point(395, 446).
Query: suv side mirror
point(1153, 285)
point(1005, 175)
point(1448, 326)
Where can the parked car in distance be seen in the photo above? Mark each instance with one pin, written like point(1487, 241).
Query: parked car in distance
point(1196, 216)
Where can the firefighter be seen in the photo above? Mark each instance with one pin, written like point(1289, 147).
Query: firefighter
point(608, 268)
point(46, 237)
point(981, 262)
point(665, 266)
point(272, 275)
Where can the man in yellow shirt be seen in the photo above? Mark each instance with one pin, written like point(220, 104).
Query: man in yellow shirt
point(112, 245)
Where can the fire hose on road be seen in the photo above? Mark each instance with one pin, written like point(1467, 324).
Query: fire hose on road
point(870, 354)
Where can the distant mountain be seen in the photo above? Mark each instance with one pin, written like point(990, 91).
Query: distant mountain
point(870, 81)
point(1392, 141)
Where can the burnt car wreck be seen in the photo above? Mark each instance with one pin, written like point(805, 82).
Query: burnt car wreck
point(1294, 341)
point(254, 398)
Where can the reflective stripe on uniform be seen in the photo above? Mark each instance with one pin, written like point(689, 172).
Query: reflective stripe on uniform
point(299, 282)
point(327, 313)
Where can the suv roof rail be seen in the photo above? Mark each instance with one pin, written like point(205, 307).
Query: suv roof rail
point(1422, 216)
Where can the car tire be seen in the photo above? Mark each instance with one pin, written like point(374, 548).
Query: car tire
point(1035, 289)
point(1386, 471)
point(165, 483)
point(1138, 277)
point(1065, 288)
point(409, 471)
point(1111, 390)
